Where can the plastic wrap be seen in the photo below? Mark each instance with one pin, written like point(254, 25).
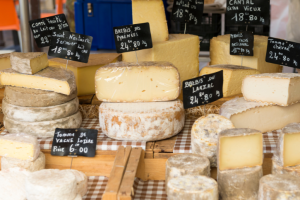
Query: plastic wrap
point(205, 132)
point(137, 82)
point(278, 169)
point(82, 181)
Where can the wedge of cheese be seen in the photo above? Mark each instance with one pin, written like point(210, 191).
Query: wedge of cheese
point(4, 63)
point(220, 54)
point(85, 72)
point(233, 76)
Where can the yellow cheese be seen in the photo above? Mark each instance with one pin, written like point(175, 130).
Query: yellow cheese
point(219, 54)
point(233, 76)
point(151, 11)
point(4, 63)
point(85, 72)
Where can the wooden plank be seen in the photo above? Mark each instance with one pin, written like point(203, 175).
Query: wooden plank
point(1, 94)
point(149, 149)
point(165, 146)
point(86, 99)
point(95, 101)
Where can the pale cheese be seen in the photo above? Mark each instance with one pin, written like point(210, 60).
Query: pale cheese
point(4, 63)
point(81, 180)
point(278, 169)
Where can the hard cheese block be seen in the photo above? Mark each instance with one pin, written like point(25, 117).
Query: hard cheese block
point(81, 180)
point(205, 132)
point(278, 169)
point(240, 148)
point(141, 121)
point(239, 183)
point(137, 82)
point(153, 12)
point(259, 116)
point(85, 72)
point(233, 76)
point(4, 63)
point(20, 146)
point(277, 88)
point(51, 78)
point(28, 63)
point(220, 54)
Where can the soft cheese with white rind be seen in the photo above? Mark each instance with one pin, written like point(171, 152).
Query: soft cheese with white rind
point(205, 132)
point(82, 181)
point(273, 88)
point(278, 169)
point(147, 121)
point(42, 129)
point(239, 183)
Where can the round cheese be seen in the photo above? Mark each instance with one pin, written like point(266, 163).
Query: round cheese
point(239, 183)
point(147, 121)
point(205, 133)
point(78, 197)
point(277, 169)
point(81, 180)
point(192, 187)
point(42, 129)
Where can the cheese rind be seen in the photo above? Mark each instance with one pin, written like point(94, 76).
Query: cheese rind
point(142, 82)
point(239, 183)
point(148, 121)
point(81, 180)
point(239, 148)
point(278, 169)
point(205, 132)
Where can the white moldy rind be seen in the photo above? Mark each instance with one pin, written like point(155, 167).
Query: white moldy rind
point(82, 181)
point(279, 187)
point(147, 121)
point(205, 134)
point(277, 169)
point(190, 187)
point(239, 183)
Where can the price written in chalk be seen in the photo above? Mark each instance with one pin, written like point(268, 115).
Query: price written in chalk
point(241, 43)
point(188, 11)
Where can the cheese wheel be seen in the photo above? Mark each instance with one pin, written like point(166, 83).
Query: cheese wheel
point(81, 180)
point(78, 197)
point(278, 169)
point(147, 121)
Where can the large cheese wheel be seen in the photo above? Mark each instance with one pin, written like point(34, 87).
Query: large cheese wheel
point(81, 180)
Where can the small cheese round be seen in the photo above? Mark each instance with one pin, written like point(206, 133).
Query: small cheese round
point(192, 187)
point(82, 181)
point(277, 169)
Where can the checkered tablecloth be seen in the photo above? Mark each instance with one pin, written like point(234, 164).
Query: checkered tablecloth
point(183, 140)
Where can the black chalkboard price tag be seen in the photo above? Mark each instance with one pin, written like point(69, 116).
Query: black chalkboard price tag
point(70, 46)
point(202, 90)
point(188, 11)
point(42, 28)
point(283, 52)
point(241, 43)
point(79, 142)
point(248, 12)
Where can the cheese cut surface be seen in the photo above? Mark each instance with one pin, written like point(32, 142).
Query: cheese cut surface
point(220, 54)
point(205, 132)
point(81, 180)
point(190, 187)
point(20, 146)
point(4, 63)
point(28, 63)
point(31, 166)
point(132, 82)
point(277, 88)
point(148, 121)
point(279, 187)
point(278, 169)
point(152, 12)
point(51, 79)
point(259, 116)
point(240, 148)
point(44, 128)
point(239, 183)
point(85, 72)
point(233, 76)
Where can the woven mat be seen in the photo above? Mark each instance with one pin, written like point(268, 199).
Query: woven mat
point(103, 142)
point(183, 140)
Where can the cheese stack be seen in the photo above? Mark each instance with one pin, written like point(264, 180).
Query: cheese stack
point(38, 98)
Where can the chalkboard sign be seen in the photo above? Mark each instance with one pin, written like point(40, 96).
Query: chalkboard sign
point(202, 90)
point(248, 12)
point(133, 37)
point(42, 28)
point(241, 43)
point(79, 142)
point(188, 11)
point(283, 52)
point(70, 46)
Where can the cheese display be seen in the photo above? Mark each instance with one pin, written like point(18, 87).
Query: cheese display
point(51, 78)
point(28, 63)
point(147, 121)
point(31, 166)
point(204, 135)
point(239, 183)
point(192, 187)
point(44, 128)
point(81, 180)
point(278, 169)
point(279, 187)
point(85, 72)
point(20, 146)
point(233, 76)
point(277, 88)
point(259, 116)
point(220, 54)
point(152, 12)
point(240, 148)
point(142, 82)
